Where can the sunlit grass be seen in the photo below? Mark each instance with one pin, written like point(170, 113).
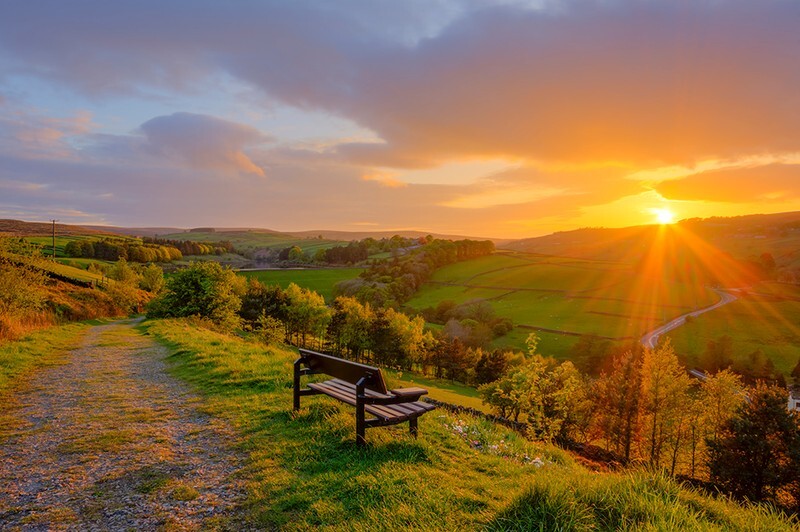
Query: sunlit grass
point(305, 472)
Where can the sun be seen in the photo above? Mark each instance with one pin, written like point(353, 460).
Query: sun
point(664, 216)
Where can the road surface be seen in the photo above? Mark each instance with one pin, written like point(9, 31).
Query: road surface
point(651, 339)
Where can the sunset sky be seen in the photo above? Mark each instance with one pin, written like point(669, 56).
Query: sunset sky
point(502, 119)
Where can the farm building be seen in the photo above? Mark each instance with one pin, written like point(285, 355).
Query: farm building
point(794, 397)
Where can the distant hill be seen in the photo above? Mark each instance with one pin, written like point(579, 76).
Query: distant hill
point(741, 236)
point(360, 235)
point(20, 228)
point(709, 244)
point(326, 234)
point(135, 231)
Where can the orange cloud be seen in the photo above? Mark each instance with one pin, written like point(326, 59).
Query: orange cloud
point(769, 183)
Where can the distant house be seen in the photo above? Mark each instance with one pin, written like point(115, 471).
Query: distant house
point(794, 397)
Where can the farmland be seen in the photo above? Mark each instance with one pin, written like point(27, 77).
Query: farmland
point(752, 322)
point(570, 296)
point(321, 281)
point(251, 240)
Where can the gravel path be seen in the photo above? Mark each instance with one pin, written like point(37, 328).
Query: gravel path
point(110, 441)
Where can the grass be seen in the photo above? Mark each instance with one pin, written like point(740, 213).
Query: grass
point(305, 472)
point(41, 348)
point(321, 281)
point(563, 294)
point(245, 241)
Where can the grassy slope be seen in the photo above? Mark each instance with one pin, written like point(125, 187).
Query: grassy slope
point(318, 280)
point(305, 471)
point(251, 240)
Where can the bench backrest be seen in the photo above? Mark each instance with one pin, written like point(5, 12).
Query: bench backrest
point(344, 369)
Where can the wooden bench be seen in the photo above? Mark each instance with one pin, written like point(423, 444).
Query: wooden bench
point(363, 387)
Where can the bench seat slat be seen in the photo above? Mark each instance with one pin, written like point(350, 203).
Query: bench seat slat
point(341, 391)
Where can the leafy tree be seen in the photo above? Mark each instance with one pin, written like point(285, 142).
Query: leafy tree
point(664, 388)
point(491, 366)
point(260, 299)
point(796, 372)
point(306, 313)
point(755, 453)
point(350, 326)
point(204, 289)
point(123, 273)
point(618, 395)
point(590, 352)
point(718, 355)
point(152, 279)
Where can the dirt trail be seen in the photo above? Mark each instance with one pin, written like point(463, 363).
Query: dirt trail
point(110, 441)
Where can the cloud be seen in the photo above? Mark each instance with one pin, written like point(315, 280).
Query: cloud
point(769, 183)
point(204, 142)
point(656, 82)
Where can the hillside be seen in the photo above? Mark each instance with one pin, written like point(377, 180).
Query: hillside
point(743, 237)
point(462, 473)
point(20, 228)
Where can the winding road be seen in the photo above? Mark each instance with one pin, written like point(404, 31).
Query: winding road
point(651, 339)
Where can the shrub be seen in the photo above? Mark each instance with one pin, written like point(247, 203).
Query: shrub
point(204, 289)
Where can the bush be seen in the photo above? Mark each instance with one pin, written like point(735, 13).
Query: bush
point(204, 289)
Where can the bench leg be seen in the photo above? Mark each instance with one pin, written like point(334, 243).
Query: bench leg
point(412, 426)
point(361, 426)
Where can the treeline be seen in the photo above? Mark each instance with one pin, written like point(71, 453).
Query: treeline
point(593, 355)
point(347, 328)
point(391, 282)
point(360, 332)
point(190, 247)
point(350, 253)
point(114, 249)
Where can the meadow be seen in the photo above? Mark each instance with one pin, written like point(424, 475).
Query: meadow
point(566, 295)
point(252, 240)
point(753, 322)
point(320, 280)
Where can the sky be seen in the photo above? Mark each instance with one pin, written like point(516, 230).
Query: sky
point(504, 119)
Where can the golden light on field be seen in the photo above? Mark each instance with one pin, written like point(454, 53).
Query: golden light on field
point(664, 216)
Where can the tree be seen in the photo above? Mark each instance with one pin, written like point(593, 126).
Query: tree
point(350, 326)
point(619, 396)
point(152, 279)
point(491, 366)
point(306, 313)
point(796, 372)
point(718, 355)
point(664, 388)
point(754, 455)
point(204, 289)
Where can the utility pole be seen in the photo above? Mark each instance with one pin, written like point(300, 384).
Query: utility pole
point(54, 239)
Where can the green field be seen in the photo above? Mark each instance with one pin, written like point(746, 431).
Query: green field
point(247, 241)
point(320, 280)
point(752, 323)
point(563, 294)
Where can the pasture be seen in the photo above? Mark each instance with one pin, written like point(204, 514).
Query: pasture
point(320, 280)
point(753, 322)
point(564, 295)
point(248, 241)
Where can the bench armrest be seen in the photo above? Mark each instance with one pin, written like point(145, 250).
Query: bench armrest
point(409, 392)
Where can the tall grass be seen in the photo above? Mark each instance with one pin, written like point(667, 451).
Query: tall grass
point(304, 470)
